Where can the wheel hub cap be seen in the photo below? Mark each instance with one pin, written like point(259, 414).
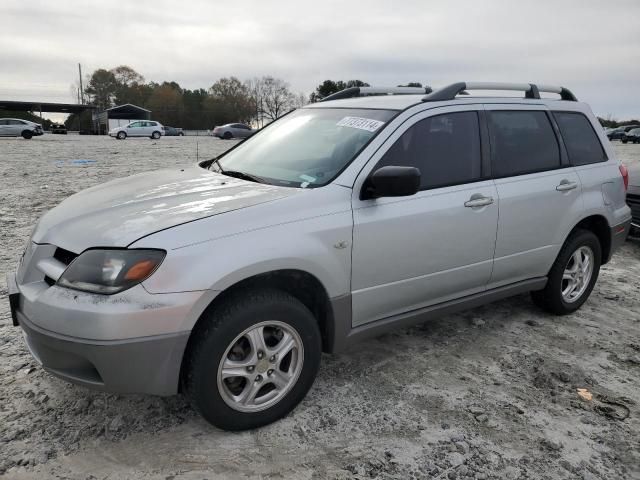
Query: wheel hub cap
point(577, 274)
point(260, 366)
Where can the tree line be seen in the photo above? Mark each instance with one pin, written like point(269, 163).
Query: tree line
point(256, 101)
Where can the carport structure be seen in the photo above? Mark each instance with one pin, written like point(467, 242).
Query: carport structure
point(39, 107)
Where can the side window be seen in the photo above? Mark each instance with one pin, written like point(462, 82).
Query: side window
point(446, 149)
point(152, 124)
point(135, 125)
point(3, 122)
point(580, 139)
point(522, 142)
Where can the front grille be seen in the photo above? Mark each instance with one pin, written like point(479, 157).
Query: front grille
point(64, 256)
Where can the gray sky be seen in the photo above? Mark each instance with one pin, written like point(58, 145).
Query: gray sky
point(591, 47)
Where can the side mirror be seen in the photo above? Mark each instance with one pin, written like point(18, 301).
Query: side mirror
point(391, 181)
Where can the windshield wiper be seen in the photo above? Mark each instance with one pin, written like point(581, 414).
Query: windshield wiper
point(236, 173)
point(243, 175)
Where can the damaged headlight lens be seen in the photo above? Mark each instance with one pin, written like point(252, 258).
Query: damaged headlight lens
point(110, 271)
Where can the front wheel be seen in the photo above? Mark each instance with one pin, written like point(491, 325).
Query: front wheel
point(27, 135)
point(121, 135)
point(573, 274)
point(252, 360)
point(624, 140)
point(155, 135)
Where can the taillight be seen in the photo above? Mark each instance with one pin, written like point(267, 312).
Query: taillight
point(625, 176)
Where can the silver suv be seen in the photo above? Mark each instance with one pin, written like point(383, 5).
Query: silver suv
point(226, 280)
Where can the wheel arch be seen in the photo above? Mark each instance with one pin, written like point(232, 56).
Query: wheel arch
point(599, 225)
point(303, 285)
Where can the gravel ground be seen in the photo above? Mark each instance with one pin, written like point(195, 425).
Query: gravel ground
point(488, 393)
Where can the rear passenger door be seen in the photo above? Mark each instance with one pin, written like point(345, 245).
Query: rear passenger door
point(539, 192)
point(434, 246)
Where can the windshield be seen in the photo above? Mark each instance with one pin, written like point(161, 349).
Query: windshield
point(306, 148)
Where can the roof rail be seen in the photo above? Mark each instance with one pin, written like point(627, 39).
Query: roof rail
point(531, 90)
point(364, 91)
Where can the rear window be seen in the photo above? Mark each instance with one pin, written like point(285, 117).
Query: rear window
point(580, 139)
point(522, 142)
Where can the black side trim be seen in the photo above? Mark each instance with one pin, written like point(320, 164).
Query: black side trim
point(346, 336)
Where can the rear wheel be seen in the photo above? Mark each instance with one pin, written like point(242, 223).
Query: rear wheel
point(27, 134)
point(573, 274)
point(227, 135)
point(121, 135)
point(252, 360)
point(155, 135)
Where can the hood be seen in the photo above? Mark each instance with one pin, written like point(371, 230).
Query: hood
point(117, 213)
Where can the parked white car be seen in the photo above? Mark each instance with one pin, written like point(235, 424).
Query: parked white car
point(139, 128)
point(16, 127)
point(233, 130)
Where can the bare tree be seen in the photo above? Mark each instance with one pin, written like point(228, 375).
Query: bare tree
point(277, 98)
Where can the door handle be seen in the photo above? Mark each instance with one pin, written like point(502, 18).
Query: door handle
point(478, 201)
point(566, 185)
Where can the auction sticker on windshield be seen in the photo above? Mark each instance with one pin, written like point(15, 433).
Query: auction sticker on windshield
point(367, 124)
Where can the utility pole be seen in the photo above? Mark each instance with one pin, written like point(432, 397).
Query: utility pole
point(81, 90)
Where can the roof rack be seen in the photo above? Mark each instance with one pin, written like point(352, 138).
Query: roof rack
point(365, 91)
point(531, 90)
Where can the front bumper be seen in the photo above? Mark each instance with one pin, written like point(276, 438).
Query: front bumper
point(124, 345)
point(149, 365)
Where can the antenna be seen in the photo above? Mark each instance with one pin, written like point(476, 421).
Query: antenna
point(196, 150)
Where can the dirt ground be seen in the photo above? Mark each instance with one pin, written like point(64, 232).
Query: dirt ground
point(488, 393)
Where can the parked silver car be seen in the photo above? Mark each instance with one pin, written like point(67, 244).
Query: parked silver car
point(233, 130)
point(139, 128)
point(337, 222)
point(16, 127)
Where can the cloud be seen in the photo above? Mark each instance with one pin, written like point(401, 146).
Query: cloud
point(588, 46)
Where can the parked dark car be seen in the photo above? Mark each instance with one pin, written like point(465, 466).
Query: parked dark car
point(58, 129)
point(173, 131)
point(618, 133)
point(632, 136)
point(633, 198)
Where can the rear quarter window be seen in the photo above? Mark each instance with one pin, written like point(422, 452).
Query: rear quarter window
point(583, 145)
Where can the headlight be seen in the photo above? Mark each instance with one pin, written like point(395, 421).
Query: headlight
point(110, 271)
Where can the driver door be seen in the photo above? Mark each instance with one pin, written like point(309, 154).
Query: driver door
point(434, 246)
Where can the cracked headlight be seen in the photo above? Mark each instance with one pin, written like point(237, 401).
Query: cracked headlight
point(110, 271)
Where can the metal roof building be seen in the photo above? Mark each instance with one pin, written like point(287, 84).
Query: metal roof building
point(119, 116)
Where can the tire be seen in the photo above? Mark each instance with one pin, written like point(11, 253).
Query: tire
point(27, 134)
point(155, 135)
point(624, 140)
point(227, 135)
point(226, 331)
point(121, 135)
point(551, 298)
point(181, 134)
